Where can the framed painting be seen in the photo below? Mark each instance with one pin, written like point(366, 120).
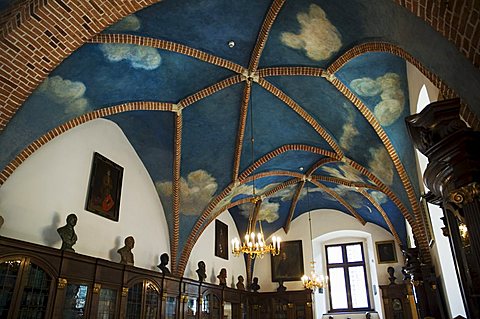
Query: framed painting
point(221, 239)
point(386, 252)
point(104, 187)
point(288, 265)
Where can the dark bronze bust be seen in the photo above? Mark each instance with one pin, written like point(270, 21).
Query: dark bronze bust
point(125, 252)
point(391, 273)
point(240, 284)
point(67, 233)
point(201, 271)
point(222, 277)
point(281, 287)
point(255, 287)
point(164, 259)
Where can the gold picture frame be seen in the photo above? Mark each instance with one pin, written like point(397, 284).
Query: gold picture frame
point(386, 252)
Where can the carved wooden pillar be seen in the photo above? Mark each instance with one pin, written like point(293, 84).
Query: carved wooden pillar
point(452, 175)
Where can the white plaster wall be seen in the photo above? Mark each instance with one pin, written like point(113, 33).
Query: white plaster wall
point(204, 249)
point(330, 226)
point(53, 182)
point(416, 80)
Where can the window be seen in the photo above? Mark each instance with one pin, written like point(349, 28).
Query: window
point(348, 279)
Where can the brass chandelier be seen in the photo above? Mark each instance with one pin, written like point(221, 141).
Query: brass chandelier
point(254, 244)
point(312, 282)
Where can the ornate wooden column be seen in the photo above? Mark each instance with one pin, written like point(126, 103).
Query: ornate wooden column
point(452, 175)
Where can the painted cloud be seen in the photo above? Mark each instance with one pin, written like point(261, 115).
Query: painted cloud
point(318, 37)
point(196, 191)
point(268, 211)
point(352, 197)
point(381, 165)
point(129, 23)
point(349, 129)
point(140, 57)
point(389, 109)
point(379, 197)
point(343, 171)
point(66, 92)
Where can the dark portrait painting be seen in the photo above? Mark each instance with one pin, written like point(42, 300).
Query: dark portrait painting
point(104, 188)
point(386, 252)
point(288, 265)
point(221, 239)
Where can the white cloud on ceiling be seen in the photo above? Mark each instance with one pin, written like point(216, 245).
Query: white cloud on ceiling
point(268, 211)
point(381, 165)
point(66, 92)
point(195, 192)
point(318, 36)
point(379, 197)
point(129, 23)
point(139, 57)
point(389, 109)
point(349, 129)
point(344, 171)
point(352, 197)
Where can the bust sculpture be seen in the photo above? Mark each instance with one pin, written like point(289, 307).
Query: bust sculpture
point(164, 259)
point(391, 273)
point(67, 233)
point(281, 287)
point(222, 277)
point(126, 255)
point(240, 285)
point(201, 271)
point(255, 287)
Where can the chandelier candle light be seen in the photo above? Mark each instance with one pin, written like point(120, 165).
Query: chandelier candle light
point(254, 244)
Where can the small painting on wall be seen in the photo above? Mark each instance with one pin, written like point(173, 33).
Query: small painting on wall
point(386, 252)
point(221, 239)
point(104, 188)
point(288, 265)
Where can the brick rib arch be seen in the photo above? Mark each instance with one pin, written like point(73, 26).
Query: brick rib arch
point(33, 41)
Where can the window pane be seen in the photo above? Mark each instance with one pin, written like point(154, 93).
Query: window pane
point(170, 305)
point(152, 302)
point(75, 300)
point(358, 287)
point(8, 277)
point(35, 293)
point(354, 253)
point(134, 301)
point(337, 288)
point(334, 254)
point(107, 303)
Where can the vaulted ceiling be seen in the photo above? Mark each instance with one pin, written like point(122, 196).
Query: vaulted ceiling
point(321, 86)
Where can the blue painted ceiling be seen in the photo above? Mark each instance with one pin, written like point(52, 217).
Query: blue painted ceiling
point(305, 33)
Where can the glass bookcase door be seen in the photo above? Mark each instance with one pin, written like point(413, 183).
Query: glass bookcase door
point(24, 289)
point(75, 301)
point(152, 302)
point(227, 310)
point(35, 293)
point(191, 309)
point(107, 303)
point(211, 306)
point(134, 301)
point(170, 307)
point(143, 301)
point(8, 277)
